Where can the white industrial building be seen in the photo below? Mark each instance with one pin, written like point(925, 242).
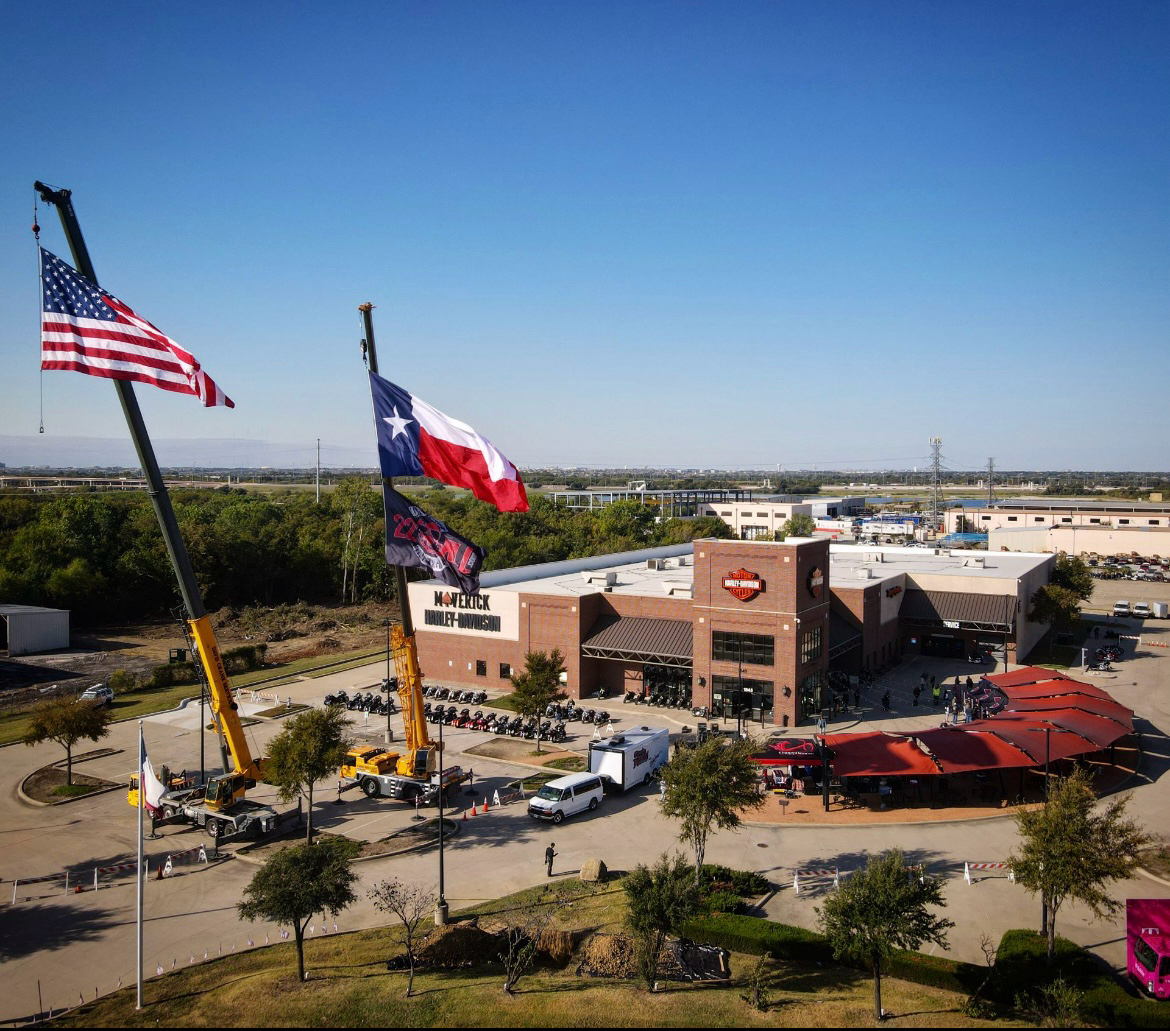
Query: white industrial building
point(30, 629)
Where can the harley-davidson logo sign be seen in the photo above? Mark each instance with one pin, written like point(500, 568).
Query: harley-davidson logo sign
point(743, 585)
point(815, 582)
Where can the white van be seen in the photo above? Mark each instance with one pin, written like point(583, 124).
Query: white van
point(1121, 608)
point(566, 796)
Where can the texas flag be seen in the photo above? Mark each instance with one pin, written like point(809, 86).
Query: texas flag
point(415, 439)
point(147, 780)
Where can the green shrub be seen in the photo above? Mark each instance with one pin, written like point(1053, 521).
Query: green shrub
point(755, 936)
point(245, 658)
point(747, 884)
point(122, 681)
point(1022, 972)
point(170, 674)
point(721, 901)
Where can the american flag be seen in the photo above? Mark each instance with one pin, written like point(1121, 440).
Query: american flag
point(88, 330)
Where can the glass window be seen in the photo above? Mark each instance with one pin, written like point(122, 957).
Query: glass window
point(751, 699)
point(811, 644)
point(1146, 956)
point(481, 667)
point(756, 649)
point(505, 670)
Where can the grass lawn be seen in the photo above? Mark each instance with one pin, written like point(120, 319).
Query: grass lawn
point(349, 986)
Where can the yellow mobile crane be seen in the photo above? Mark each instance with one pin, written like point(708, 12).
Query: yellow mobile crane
point(413, 774)
point(219, 805)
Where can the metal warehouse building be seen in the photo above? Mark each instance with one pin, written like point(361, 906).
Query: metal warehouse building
point(29, 629)
point(761, 619)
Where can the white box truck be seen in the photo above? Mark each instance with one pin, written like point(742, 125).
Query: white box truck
point(1161, 610)
point(631, 757)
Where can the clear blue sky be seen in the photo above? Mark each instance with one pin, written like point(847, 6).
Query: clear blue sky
point(712, 234)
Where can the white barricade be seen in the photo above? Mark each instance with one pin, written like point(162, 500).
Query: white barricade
point(815, 874)
point(968, 867)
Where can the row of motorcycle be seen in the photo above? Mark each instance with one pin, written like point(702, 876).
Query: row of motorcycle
point(453, 694)
point(569, 713)
point(677, 698)
point(493, 723)
point(375, 704)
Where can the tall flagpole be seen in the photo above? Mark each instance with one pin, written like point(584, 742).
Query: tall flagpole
point(141, 872)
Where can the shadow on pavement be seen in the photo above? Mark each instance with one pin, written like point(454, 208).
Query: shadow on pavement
point(30, 927)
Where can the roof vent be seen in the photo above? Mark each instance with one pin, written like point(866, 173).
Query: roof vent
point(655, 563)
point(976, 561)
point(863, 573)
point(593, 577)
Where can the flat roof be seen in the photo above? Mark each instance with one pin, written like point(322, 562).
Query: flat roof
point(1081, 505)
point(846, 559)
point(655, 572)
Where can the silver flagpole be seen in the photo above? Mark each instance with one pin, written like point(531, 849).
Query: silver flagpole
point(141, 877)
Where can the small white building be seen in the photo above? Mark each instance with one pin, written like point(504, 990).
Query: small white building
point(30, 629)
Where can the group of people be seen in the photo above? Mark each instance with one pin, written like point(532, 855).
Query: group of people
point(955, 699)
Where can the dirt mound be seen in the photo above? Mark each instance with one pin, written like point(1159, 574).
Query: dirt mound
point(609, 955)
point(459, 945)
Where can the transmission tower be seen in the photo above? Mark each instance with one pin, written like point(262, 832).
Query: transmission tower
point(936, 500)
point(990, 482)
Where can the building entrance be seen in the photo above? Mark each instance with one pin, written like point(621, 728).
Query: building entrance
point(667, 685)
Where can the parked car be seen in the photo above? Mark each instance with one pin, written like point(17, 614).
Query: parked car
point(1121, 608)
point(99, 693)
point(1141, 610)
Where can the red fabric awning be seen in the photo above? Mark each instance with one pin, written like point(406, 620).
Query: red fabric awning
point(878, 755)
point(1024, 675)
point(1029, 736)
point(1055, 689)
point(960, 750)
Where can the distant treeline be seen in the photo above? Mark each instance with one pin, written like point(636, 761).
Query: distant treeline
point(101, 554)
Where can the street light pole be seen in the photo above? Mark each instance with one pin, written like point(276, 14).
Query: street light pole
point(441, 906)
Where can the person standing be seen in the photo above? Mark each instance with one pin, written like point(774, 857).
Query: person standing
point(917, 692)
point(935, 695)
point(549, 855)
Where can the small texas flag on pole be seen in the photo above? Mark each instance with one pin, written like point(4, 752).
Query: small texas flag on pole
point(149, 784)
point(85, 329)
point(415, 439)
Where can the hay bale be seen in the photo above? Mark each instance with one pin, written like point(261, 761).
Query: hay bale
point(609, 955)
point(555, 944)
point(458, 945)
point(593, 871)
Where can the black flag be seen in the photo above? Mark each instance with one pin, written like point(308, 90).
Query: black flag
point(416, 540)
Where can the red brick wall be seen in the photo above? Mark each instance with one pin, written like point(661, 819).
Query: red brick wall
point(785, 569)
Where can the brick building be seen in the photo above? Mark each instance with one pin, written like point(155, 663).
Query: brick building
point(752, 625)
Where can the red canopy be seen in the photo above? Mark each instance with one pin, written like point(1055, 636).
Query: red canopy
point(1060, 715)
point(960, 750)
point(878, 754)
point(1024, 675)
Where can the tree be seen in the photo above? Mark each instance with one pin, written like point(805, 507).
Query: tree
point(1057, 606)
point(879, 909)
point(798, 525)
point(67, 721)
point(706, 787)
point(311, 746)
point(411, 905)
point(299, 881)
point(539, 685)
point(661, 899)
point(1070, 849)
point(1073, 574)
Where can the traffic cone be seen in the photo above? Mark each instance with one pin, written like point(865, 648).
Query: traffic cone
point(485, 805)
point(464, 815)
point(472, 808)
